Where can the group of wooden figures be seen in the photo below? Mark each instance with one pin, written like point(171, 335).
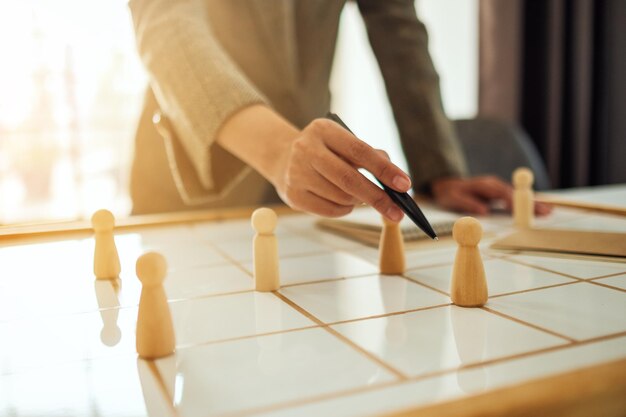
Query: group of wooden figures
point(155, 332)
point(468, 287)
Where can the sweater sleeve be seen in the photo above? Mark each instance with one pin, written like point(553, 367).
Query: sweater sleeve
point(400, 43)
point(196, 83)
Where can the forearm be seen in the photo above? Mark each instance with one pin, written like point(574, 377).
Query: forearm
point(260, 137)
point(196, 83)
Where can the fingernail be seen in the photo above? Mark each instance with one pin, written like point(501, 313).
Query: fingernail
point(401, 183)
point(395, 214)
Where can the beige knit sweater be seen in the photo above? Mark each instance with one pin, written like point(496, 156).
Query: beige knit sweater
point(207, 59)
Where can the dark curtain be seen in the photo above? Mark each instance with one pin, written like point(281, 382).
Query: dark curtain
point(558, 68)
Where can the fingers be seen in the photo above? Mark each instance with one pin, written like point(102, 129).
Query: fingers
point(321, 173)
point(542, 209)
point(465, 202)
point(308, 201)
point(320, 186)
point(474, 194)
point(309, 191)
point(362, 155)
point(471, 195)
point(352, 182)
point(492, 188)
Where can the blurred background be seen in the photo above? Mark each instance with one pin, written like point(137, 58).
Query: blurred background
point(71, 88)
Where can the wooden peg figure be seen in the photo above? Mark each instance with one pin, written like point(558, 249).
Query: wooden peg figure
point(469, 285)
point(106, 262)
point(523, 199)
point(265, 251)
point(155, 332)
point(391, 249)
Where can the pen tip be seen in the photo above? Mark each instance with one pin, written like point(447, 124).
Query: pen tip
point(436, 238)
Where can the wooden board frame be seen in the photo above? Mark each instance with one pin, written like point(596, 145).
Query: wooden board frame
point(578, 242)
point(582, 205)
point(592, 391)
point(78, 228)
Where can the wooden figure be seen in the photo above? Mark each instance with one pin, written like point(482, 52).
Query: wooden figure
point(106, 262)
point(391, 249)
point(469, 285)
point(265, 251)
point(523, 200)
point(155, 332)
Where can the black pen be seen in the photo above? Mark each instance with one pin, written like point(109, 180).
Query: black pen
point(402, 200)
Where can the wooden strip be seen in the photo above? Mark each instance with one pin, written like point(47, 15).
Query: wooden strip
point(510, 256)
point(415, 281)
point(565, 241)
point(601, 284)
point(593, 391)
point(504, 294)
point(583, 205)
point(83, 227)
point(385, 315)
point(529, 324)
point(401, 376)
point(245, 337)
point(514, 260)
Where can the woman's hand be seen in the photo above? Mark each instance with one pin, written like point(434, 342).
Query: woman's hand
point(319, 173)
point(316, 169)
point(475, 195)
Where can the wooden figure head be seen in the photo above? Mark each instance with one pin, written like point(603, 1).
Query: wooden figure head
point(151, 269)
point(523, 177)
point(102, 220)
point(467, 231)
point(264, 220)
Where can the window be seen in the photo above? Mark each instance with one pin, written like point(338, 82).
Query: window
point(71, 87)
